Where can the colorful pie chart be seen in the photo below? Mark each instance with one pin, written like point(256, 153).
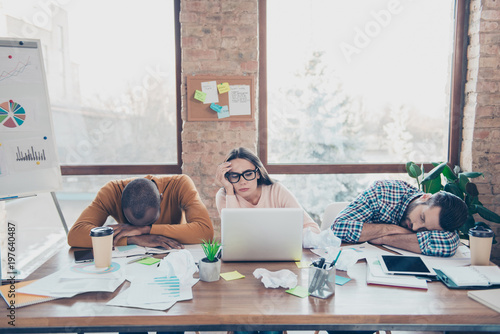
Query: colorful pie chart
point(12, 115)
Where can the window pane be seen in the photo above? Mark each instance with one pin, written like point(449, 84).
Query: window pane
point(110, 68)
point(358, 81)
point(315, 191)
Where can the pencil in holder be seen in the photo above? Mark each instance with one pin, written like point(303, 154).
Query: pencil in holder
point(322, 281)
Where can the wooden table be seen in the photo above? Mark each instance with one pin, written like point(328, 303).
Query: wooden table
point(245, 304)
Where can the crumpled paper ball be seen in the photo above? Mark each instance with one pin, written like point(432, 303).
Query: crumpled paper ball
point(274, 279)
point(180, 263)
point(322, 240)
point(347, 258)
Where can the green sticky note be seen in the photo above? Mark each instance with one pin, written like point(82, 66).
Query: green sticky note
point(200, 96)
point(299, 291)
point(149, 261)
point(231, 275)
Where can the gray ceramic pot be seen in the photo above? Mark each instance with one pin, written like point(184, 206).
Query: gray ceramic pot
point(209, 271)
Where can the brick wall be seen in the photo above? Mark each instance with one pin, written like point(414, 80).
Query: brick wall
point(481, 122)
point(219, 38)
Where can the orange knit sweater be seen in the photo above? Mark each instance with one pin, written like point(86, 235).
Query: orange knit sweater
point(179, 196)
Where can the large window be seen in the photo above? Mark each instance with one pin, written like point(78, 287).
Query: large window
point(114, 84)
point(112, 80)
point(358, 88)
point(363, 82)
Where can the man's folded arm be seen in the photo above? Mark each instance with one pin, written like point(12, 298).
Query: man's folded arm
point(406, 241)
point(432, 243)
point(191, 233)
point(79, 234)
point(388, 234)
point(438, 243)
point(374, 231)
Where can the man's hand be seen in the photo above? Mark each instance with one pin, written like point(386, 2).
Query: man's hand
point(154, 240)
point(126, 230)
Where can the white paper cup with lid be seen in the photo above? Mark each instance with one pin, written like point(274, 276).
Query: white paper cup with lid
point(102, 245)
point(480, 240)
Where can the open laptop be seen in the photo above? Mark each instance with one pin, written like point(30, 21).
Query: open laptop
point(271, 234)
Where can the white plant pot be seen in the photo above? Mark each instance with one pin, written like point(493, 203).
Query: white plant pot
point(209, 271)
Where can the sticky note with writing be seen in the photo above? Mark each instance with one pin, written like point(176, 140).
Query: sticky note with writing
point(200, 96)
point(216, 107)
point(223, 87)
point(224, 112)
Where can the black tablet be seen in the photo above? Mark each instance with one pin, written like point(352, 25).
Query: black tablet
point(405, 265)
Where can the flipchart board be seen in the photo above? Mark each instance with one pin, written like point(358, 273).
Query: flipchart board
point(233, 95)
point(28, 156)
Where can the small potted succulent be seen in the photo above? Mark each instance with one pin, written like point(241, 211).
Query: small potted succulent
point(210, 265)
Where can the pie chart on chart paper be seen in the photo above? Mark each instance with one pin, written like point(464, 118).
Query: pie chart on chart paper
point(12, 114)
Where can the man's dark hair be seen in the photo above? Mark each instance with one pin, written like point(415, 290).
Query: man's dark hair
point(140, 195)
point(454, 211)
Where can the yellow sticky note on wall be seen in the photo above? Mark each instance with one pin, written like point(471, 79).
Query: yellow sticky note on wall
point(223, 87)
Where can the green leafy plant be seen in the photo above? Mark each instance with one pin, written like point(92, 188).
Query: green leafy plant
point(211, 248)
point(442, 177)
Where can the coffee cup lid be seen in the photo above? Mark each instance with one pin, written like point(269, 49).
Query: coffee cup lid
point(481, 232)
point(101, 231)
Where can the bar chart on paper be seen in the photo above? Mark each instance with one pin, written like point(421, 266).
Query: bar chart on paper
point(30, 154)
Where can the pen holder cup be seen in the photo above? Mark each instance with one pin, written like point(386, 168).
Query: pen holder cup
point(322, 282)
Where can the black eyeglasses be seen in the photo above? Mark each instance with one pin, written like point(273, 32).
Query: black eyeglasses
point(248, 175)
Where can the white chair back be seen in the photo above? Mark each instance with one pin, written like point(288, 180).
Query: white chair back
point(331, 211)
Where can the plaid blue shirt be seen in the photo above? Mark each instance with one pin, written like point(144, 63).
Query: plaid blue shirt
point(385, 203)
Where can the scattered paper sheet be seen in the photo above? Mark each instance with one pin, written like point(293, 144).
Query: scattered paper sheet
point(77, 279)
point(131, 250)
point(159, 287)
point(196, 251)
point(461, 257)
point(363, 250)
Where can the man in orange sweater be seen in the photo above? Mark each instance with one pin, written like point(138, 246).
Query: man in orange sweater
point(154, 211)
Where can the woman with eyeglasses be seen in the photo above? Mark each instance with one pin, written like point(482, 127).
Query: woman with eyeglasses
point(246, 184)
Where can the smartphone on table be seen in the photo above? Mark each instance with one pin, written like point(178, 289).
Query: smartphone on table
point(84, 256)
